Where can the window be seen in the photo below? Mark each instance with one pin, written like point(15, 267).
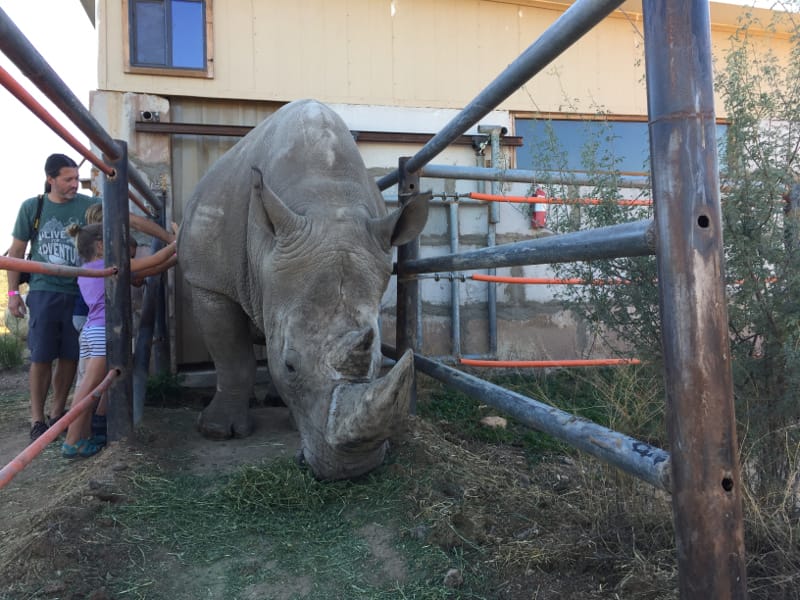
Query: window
point(587, 145)
point(170, 36)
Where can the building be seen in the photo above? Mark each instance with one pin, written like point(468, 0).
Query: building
point(182, 79)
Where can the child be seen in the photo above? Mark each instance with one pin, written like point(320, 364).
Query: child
point(89, 241)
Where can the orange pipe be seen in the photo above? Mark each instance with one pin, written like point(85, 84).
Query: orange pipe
point(547, 280)
point(33, 105)
point(540, 200)
point(40, 111)
point(591, 362)
point(8, 263)
point(24, 458)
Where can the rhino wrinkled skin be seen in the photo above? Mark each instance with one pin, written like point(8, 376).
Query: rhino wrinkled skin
point(286, 241)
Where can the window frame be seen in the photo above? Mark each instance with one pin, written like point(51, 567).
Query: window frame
point(207, 72)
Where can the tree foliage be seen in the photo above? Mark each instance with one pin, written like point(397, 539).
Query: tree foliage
point(760, 198)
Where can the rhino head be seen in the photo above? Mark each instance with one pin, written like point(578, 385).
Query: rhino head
point(322, 273)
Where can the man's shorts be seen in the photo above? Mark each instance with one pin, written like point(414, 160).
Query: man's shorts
point(51, 334)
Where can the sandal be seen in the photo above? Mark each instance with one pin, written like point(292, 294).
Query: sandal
point(53, 420)
point(84, 449)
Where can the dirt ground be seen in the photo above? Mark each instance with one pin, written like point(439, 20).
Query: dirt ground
point(58, 543)
point(43, 519)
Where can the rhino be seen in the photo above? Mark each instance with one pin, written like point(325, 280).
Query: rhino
point(286, 241)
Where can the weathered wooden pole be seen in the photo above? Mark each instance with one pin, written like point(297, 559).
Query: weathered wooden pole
point(706, 486)
point(116, 235)
point(407, 287)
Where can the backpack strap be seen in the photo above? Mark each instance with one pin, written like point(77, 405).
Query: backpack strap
point(36, 220)
point(38, 216)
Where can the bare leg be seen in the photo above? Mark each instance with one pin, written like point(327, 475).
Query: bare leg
point(63, 376)
point(39, 382)
point(80, 428)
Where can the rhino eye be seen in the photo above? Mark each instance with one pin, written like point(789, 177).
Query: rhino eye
point(292, 361)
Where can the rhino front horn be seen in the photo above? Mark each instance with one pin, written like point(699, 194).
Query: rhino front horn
point(365, 414)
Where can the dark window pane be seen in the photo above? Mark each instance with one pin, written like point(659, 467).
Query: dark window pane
point(149, 39)
point(188, 35)
point(561, 144)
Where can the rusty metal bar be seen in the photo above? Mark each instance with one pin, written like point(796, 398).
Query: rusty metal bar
point(706, 485)
point(568, 29)
point(522, 176)
point(615, 241)
point(116, 236)
point(637, 458)
point(383, 137)
point(408, 296)
point(24, 458)
point(28, 60)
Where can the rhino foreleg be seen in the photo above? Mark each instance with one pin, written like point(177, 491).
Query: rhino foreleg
point(226, 332)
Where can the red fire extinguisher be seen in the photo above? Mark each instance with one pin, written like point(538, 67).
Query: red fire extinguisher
point(539, 217)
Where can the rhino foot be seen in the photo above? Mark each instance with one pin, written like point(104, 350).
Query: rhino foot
point(221, 425)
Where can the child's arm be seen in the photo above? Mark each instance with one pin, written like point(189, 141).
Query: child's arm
point(155, 269)
point(146, 262)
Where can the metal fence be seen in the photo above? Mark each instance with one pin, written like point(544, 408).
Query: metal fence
point(686, 237)
point(702, 471)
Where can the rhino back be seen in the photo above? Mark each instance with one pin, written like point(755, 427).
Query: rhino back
point(307, 156)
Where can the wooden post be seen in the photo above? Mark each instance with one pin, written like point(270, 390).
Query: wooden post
point(116, 235)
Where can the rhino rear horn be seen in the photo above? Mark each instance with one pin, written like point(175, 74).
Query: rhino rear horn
point(354, 353)
point(365, 414)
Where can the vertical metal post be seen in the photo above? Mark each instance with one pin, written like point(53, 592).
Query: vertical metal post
point(162, 358)
point(408, 295)
point(455, 284)
point(116, 235)
point(706, 496)
point(494, 132)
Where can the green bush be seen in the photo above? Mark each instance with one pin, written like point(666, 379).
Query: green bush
point(11, 349)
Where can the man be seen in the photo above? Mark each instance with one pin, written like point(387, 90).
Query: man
point(51, 299)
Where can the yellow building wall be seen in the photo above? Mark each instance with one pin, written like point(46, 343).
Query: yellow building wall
point(429, 53)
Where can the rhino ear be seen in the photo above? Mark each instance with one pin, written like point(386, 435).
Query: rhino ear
point(268, 211)
point(404, 224)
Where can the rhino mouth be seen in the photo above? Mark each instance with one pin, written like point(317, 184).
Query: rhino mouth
point(340, 463)
point(361, 418)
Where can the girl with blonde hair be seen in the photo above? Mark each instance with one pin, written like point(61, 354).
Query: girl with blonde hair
point(89, 242)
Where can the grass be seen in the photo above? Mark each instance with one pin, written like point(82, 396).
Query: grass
point(624, 399)
point(300, 527)
point(451, 495)
point(163, 389)
point(11, 351)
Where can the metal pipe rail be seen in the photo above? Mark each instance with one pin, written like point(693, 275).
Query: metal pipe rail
point(568, 29)
point(519, 176)
point(635, 457)
point(547, 364)
point(616, 241)
point(547, 280)
point(24, 458)
point(28, 60)
point(36, 108)
point(546, 200)
point(8, 263)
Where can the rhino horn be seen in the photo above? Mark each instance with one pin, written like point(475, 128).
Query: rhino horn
point(363, 415)
point(355, 353)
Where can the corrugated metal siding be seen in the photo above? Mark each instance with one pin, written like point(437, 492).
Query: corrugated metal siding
point(192, 155)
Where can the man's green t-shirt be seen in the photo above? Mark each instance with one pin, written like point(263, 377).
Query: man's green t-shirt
point(53, 244)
